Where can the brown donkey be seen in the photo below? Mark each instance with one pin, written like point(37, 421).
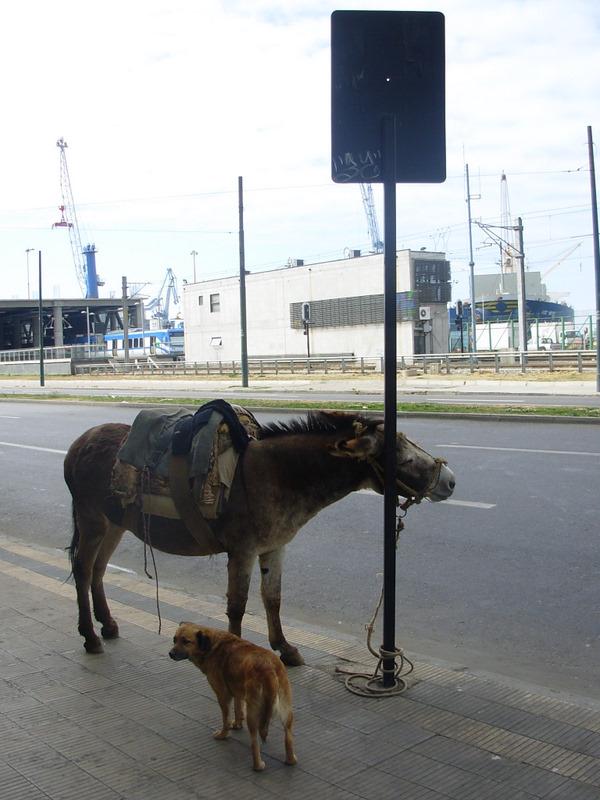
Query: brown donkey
point(284, 478)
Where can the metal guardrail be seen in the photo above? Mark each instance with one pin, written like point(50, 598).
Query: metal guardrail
point(93, 360)
point(75, 352)
point(447, 363)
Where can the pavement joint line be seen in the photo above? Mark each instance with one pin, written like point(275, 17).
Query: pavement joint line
point(455, 726)
point(351, 651)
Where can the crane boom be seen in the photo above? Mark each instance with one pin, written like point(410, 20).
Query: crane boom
point(565, 255)
point(160, 307)
point(366, 191)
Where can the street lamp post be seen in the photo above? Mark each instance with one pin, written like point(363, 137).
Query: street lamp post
point(41, 320)
point(193, 254)
point(87, 322)
point(29, 250)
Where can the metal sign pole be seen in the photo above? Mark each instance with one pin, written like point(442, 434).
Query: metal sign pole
point(390, 399)
point(596, 248)
point(243, 324)
point(387, 80)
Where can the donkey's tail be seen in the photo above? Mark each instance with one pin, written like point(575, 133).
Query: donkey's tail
point(74, 546)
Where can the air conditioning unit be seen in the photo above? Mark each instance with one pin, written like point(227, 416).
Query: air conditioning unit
point(424, 312)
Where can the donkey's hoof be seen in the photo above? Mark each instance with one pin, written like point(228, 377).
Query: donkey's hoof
point(110, 630)
point(93, 646)
point(291, 657)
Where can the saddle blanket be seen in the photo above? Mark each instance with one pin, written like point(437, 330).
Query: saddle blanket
point(211, 440)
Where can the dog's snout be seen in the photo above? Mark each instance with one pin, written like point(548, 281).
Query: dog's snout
point(176, 655)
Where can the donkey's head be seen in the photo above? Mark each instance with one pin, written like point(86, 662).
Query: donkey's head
point(418, 474)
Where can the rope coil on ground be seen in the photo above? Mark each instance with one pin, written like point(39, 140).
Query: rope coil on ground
point(372, 685)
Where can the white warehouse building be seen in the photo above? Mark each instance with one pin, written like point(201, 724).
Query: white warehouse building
point(344, 302)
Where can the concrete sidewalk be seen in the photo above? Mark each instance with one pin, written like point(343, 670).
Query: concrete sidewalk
point(355, 383)
point(133, 724)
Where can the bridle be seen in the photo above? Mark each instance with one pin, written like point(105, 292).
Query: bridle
point(413, 496)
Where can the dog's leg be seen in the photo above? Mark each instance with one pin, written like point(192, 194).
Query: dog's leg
point(238, 713)
point(224, 699)
point(270, 589)
point(252, 720)
point(290, 756)
point(239, 572)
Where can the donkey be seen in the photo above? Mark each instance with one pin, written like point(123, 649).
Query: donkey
point(289, 473)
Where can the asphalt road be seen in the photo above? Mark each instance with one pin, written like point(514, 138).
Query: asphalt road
point(502, 578)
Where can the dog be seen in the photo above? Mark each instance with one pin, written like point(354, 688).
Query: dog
point(255, 678)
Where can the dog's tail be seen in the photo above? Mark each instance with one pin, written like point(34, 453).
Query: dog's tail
point(270, 697)
point(277, 697)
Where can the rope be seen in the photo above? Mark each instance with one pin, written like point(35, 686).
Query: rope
point(372, 685)
point(148, 544)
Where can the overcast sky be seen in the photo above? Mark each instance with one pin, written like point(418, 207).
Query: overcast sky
point(164, 103)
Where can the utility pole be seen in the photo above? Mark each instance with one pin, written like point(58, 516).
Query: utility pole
point(471, 270)
point(193, 254)
point(521, 291)
point(41, 319)
point(125, 321)
point(243, 325)
point(596, 245)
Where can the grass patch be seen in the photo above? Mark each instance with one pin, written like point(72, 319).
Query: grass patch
point(307, 405)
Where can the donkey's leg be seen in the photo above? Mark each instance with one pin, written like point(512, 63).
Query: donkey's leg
point(270, 589)
point(91, 533)
point(239, 572)
point(110, 629)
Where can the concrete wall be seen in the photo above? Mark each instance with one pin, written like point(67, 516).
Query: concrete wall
point(51, 367)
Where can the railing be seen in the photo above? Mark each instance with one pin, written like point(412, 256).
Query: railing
point(446, 363)
point(75, 352)
point(93, 360)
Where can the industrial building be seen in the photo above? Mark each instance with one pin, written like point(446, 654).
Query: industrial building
point(65, 321)
point(326, 309)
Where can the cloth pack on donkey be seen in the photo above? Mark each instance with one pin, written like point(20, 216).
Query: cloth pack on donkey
point(180, 465)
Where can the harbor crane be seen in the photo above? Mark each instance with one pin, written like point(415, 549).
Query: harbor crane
point(366, 191)
point(160, 305)
point(84, 258)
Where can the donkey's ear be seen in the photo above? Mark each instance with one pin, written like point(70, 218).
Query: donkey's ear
point(204, 642)
point(364, 445)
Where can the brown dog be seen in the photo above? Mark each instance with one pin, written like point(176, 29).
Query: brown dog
point(252, 676)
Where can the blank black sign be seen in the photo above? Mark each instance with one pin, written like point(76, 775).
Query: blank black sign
point(388, 63)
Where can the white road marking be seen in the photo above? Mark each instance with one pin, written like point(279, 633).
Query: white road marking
point(7, 416)
point(468, 504)
point(520, 450)
point(120, 569)
point(464, 503)
point(33, 447)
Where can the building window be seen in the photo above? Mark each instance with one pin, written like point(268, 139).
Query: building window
point(215, 303)
point(348, 311)
point(201, 300)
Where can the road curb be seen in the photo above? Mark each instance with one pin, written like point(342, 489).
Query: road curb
point(459, 415)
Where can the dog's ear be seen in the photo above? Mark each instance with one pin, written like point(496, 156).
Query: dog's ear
point(204, 642)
